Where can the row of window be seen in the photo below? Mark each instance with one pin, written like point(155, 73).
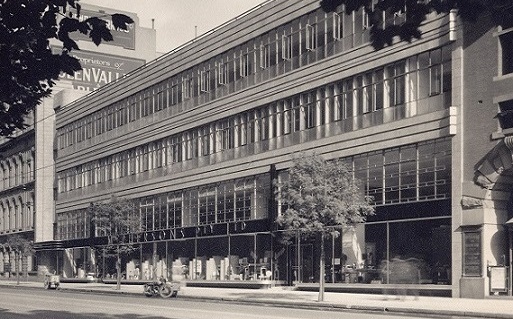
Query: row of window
point(305, 40)
point(17, 170)
point(235, 200)
point(9, 260)
point(410, 173)
point(16, 213)
point(379, 95)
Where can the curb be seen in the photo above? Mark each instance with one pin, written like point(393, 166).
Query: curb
point(323, 305)
point(302, 305)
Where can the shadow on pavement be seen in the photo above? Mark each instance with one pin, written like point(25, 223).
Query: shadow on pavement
point(256, 295)
point(55, 314)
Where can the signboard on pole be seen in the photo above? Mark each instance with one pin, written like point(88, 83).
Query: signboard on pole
point(498, 279)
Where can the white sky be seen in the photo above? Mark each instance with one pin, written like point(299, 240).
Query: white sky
point(175, 20)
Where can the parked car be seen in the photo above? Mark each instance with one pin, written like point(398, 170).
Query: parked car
point(51, 281)
point(90, 276)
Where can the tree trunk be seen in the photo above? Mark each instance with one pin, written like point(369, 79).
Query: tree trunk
point(118, 269)
point(18, 262)
point(321, 272)
point(24, 266)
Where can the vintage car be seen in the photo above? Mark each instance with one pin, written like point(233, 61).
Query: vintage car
point(51, 281)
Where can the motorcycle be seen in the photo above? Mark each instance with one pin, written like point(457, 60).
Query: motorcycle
point(161, 288)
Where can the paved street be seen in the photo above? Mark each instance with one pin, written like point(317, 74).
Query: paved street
point(52, 304)
point(287, 298)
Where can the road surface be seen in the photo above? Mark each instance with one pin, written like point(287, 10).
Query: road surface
point(18, 303)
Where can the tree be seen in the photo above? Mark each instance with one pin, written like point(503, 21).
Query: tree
point(118, 220)
point(22, 248)
point(28, 67)
point(383, 34)
point(321, 198)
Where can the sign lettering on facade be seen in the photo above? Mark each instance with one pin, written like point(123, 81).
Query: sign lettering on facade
point(472, 253)
point(98, 69)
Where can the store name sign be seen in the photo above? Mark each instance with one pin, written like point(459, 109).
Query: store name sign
point(221, 229)
point(99, 69)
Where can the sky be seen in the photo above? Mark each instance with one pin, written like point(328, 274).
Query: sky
point(177, 21)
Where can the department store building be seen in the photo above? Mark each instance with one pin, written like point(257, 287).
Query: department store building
point(197, 137)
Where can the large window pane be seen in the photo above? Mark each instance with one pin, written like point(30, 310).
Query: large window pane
point(443, 168)
point(375, 180)
point(361, 171)
point(408, 182)
point(426, 171)
point(391, 176)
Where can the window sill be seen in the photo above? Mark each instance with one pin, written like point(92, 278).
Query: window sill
point(502, 31)
point(503, 77)
point(501, 134)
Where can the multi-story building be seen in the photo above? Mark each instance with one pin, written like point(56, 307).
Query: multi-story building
point(197, 137)
point(27, 206)
point(17, 157)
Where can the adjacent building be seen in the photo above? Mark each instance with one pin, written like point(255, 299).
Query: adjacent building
point(27, 206)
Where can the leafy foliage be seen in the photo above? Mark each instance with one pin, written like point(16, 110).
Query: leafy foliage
point(119, 221)
point(20, 245)
point(322, 197)
point(28, 67)
point(416, 12)
point(22, 248)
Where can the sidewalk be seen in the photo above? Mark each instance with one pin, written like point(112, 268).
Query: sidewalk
point(287, 297)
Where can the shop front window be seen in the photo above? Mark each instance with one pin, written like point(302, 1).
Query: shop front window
point(237, 257)
point(427, 251)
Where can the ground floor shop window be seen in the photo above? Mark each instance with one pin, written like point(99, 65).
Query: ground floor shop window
point(401, 244)
point(424, 247)
point(235, 257)
point(303, 265)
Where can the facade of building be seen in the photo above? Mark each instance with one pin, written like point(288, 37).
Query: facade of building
point(17, 162)
point(27, 206)
point(197, 137)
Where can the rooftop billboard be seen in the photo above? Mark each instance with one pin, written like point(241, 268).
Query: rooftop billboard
point(122, 38)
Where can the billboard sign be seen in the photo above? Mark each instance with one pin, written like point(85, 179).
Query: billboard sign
point(99, 69)
point(122, 38)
